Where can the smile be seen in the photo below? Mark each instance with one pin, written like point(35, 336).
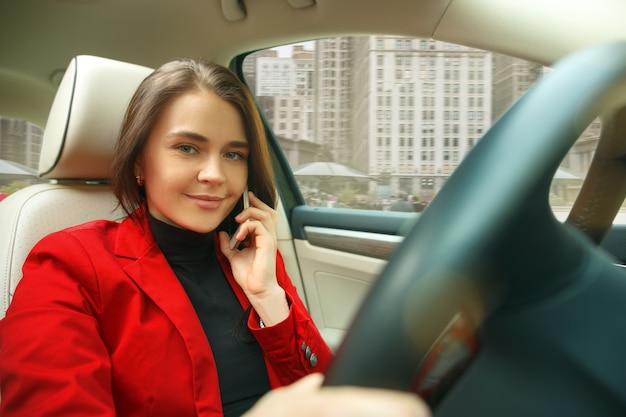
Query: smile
point(206, 202)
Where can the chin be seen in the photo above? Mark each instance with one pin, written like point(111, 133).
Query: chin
point(201, 225)
point(201, 228)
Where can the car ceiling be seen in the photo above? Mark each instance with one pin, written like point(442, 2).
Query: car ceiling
point(39, 37)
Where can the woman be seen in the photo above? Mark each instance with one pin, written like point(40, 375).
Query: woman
point(157, 314)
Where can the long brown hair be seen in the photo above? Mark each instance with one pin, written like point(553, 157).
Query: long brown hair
point(171, 80)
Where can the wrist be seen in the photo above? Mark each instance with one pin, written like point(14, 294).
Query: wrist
point(271, 307)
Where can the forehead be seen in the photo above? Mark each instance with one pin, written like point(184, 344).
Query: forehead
point(204, 113)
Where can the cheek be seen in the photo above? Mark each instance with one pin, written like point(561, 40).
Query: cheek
point(161, 181)
point(156, 190)
point(163, 171)
point(153, 178)
point(238, 177)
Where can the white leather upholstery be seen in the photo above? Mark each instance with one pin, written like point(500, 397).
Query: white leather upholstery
point(86, 116)
point(77, 152)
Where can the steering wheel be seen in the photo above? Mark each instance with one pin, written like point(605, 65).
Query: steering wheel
point(491, 306)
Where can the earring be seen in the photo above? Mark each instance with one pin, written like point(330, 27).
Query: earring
point(139, 180)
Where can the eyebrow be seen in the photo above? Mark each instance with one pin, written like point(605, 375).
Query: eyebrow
point(200, 138)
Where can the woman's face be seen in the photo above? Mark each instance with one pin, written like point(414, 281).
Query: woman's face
point(194, 163)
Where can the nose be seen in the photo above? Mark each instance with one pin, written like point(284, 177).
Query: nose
point(211, 171)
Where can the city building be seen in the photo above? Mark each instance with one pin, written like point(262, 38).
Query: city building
point(20, 141)
point(425, 104)
point(512, 77)
point(284, 89)
point(422, 105)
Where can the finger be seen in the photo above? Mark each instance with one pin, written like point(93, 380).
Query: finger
point(369, 402)
point(250, 230)
point(307, 383)
point(257, 206)
point(225, 244)
point(257, 202)
point(255, 215)
point(239, 236)
point(298, 398)
point(234, 241)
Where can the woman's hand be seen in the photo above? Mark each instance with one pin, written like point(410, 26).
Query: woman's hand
point(254, 266)
point(306, 398)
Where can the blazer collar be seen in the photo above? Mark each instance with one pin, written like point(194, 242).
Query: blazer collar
point(134, 238)
point(147, 266)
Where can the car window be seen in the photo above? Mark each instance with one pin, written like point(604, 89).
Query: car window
point(380, 123)
point(20, 146)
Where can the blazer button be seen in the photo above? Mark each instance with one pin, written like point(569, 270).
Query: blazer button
point(303, 347)
point(307, 352)
point(313, 360)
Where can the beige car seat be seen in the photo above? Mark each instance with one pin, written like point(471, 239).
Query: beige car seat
point(77, 151)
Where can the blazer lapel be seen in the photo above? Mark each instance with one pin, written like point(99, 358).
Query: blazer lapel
point(147, 267)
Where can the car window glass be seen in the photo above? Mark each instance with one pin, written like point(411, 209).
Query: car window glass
point(20, 146)
point(380, 123)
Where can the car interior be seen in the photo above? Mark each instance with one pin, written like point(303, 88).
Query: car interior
point(483, 304)
point(78, 150)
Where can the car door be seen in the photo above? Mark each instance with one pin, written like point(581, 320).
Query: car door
point(332, 254)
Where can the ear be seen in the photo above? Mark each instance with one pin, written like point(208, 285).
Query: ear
point(139, 166)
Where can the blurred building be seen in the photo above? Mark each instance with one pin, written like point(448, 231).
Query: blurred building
point(512, 77)
point(405, 111)
point(20, 142)
point(423, 105)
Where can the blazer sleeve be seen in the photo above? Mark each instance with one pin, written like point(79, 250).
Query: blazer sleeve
point(53, 360)
point(294, 347)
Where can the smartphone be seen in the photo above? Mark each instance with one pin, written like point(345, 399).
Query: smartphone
point(246, 203)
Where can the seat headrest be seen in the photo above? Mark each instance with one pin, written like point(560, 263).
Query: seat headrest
point(86, 116)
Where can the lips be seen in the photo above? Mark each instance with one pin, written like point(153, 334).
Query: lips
point(206, 202)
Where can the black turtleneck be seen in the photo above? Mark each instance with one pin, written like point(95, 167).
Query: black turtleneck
point(240, 365)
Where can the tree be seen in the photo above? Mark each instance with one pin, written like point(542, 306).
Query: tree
point(14, 186)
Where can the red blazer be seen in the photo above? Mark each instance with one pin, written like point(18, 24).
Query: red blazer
point(101, 326)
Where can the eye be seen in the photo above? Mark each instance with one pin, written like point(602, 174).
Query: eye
point(184, 148)
point(235, 156)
